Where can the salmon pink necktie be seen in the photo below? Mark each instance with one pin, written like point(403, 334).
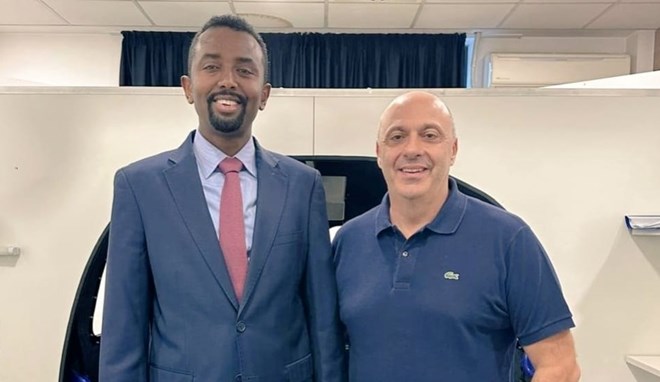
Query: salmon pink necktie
point(232, 225)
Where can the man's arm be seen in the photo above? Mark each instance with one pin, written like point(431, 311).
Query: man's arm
point(321, 295)
point(127, 303)
point(554, 358)
point(538, 311)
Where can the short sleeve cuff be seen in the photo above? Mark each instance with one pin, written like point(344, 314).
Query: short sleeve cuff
point(547, 331)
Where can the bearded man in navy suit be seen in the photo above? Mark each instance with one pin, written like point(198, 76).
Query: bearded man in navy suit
point(171, 311)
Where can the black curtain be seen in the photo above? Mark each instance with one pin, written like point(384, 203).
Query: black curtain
point(154, 58)
point(367, 60)
point(314, 60)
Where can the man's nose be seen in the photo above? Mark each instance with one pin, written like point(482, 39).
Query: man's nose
point(413, 146)
point(227, 79)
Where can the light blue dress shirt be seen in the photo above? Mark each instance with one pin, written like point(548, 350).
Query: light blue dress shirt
point(208, 158)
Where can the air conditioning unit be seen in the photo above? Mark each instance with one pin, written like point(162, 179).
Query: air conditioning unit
point(544, 69)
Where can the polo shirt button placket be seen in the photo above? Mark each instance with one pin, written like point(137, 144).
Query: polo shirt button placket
point(404, 270)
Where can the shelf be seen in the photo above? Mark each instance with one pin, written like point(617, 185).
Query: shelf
point(649, 363)
point(645, 232)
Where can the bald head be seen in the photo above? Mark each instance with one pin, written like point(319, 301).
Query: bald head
point(415, 103)
point(416, 147)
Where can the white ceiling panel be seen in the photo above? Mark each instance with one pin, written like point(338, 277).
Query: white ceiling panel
point(569, 1)
point(183, 14)
point(376, 2)
point(625, 16)
point(385, 16)
point(169, 1)
point(100, 12)
point(550, 16)
point(461, 16)
point(474, 3)
point(277, 1)
point(299, 15)
point(27, 12)
point(553, 16)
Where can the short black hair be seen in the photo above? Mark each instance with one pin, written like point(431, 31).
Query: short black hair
point(235, 23)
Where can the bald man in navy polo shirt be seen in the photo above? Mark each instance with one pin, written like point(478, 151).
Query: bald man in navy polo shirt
point(437, 286)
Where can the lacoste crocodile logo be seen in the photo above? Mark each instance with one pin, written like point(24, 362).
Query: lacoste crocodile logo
point(451, 276)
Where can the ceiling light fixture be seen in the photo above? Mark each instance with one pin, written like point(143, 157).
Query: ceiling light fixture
point(265, 21)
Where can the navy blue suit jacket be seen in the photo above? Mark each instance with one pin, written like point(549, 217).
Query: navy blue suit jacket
point(170, 312)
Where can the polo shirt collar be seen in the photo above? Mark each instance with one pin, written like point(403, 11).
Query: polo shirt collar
point(452, 212)
point(446, 222)
point(383, 215)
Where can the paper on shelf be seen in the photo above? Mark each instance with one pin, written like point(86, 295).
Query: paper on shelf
point(643, 221)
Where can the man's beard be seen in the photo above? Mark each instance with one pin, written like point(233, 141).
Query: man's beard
point(224, 125)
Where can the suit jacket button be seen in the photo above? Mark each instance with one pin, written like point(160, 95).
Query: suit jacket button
point(238, 378)
point(240, 326)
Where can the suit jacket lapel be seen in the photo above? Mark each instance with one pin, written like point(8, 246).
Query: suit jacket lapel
point(271, 195)
point(185, 185)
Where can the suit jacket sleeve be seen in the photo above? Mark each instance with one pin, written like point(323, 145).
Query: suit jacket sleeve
point(321, 294)
point(127, 304)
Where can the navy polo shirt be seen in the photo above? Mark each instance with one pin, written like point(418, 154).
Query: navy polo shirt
point(448, 303)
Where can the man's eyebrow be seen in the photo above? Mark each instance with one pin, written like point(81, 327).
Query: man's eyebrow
point(245, 60)
point(213, 56)
point(239, 60)
point(393, 128)
point(436, 126)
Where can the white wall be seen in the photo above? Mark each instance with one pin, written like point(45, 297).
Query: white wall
point(571, 163)
point(641, 46)
point(60, 59)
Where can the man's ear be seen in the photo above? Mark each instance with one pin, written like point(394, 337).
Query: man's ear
point(265, 93)
point(186, 84)
point(454, 150)
point(378, 154)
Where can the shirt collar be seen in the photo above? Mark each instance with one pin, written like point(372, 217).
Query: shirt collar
point(383, 215)
point(208, 156)
point(446, 222)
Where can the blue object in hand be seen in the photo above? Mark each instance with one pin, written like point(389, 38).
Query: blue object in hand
point(527, 367)
point(75, 377)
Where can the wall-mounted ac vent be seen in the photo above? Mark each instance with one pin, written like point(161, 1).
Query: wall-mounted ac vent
point(541, 69)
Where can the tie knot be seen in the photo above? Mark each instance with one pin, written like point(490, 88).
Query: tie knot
point(230, 164)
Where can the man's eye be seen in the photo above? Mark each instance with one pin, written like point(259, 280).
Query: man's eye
point(210, 67)
point(430, 135)
point(244, 71)
point(396, 137)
